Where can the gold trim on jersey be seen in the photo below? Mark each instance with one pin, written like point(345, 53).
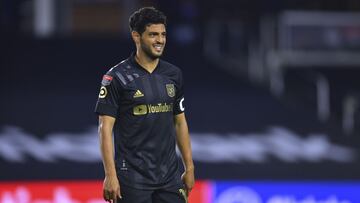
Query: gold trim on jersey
point(183, 194)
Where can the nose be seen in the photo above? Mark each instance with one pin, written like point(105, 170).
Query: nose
point(161, 39)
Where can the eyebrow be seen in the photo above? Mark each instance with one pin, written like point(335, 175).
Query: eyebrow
point(156, 33)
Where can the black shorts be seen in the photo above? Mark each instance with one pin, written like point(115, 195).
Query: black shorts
point(173, 194)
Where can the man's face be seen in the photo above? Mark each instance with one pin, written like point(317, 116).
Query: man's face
point(153, 39)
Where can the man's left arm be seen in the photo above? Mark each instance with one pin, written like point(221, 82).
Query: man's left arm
point(184, 145)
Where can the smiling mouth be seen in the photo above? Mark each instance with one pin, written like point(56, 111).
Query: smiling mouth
point(158, 47)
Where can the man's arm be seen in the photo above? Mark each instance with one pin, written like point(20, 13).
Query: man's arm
point(111, 187)
point(184, 145)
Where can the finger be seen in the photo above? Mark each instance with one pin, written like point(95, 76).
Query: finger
point(114, 196)
point(109, 196)
point(105, 195)
point(119, 193)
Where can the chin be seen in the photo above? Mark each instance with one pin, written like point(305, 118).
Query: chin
point(156, 55)
point(153, 54)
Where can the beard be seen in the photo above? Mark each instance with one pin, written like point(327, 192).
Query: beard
point(147, 50)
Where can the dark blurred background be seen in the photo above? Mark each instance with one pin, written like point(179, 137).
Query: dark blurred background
point(272, 90)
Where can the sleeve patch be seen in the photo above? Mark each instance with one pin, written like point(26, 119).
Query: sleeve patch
point(106, 80)
point(181, 104)
point(103, 92)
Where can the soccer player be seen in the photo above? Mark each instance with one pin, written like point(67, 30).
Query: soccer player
point(141, 102)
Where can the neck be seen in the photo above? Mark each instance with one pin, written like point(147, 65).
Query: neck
point(146, 62)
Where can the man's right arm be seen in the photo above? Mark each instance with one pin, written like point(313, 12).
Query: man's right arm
point(111, 187)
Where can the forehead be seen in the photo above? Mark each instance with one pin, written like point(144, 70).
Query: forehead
point(155, 28)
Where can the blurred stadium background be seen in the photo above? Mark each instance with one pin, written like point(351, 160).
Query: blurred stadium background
point(272, 90)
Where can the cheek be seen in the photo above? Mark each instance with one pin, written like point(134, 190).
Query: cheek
point(149, 41)
point(145, 42)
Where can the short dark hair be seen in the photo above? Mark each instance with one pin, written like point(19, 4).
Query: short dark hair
point(144, 17)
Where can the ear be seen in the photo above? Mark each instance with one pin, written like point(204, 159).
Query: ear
point(135, 36)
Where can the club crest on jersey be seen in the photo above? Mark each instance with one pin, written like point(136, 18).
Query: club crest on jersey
point(106, 80)
point(170, 89)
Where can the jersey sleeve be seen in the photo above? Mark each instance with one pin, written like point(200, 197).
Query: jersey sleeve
point(179, 106)
point(109, 96)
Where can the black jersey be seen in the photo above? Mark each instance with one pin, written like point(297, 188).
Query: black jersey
point(144, 105)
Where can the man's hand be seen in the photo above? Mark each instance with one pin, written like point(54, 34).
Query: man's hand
point(189, 180)
point(111, 189)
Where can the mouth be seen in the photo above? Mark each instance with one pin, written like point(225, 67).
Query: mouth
point(158, 47)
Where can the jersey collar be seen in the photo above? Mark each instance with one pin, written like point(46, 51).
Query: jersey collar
point(137, 65)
